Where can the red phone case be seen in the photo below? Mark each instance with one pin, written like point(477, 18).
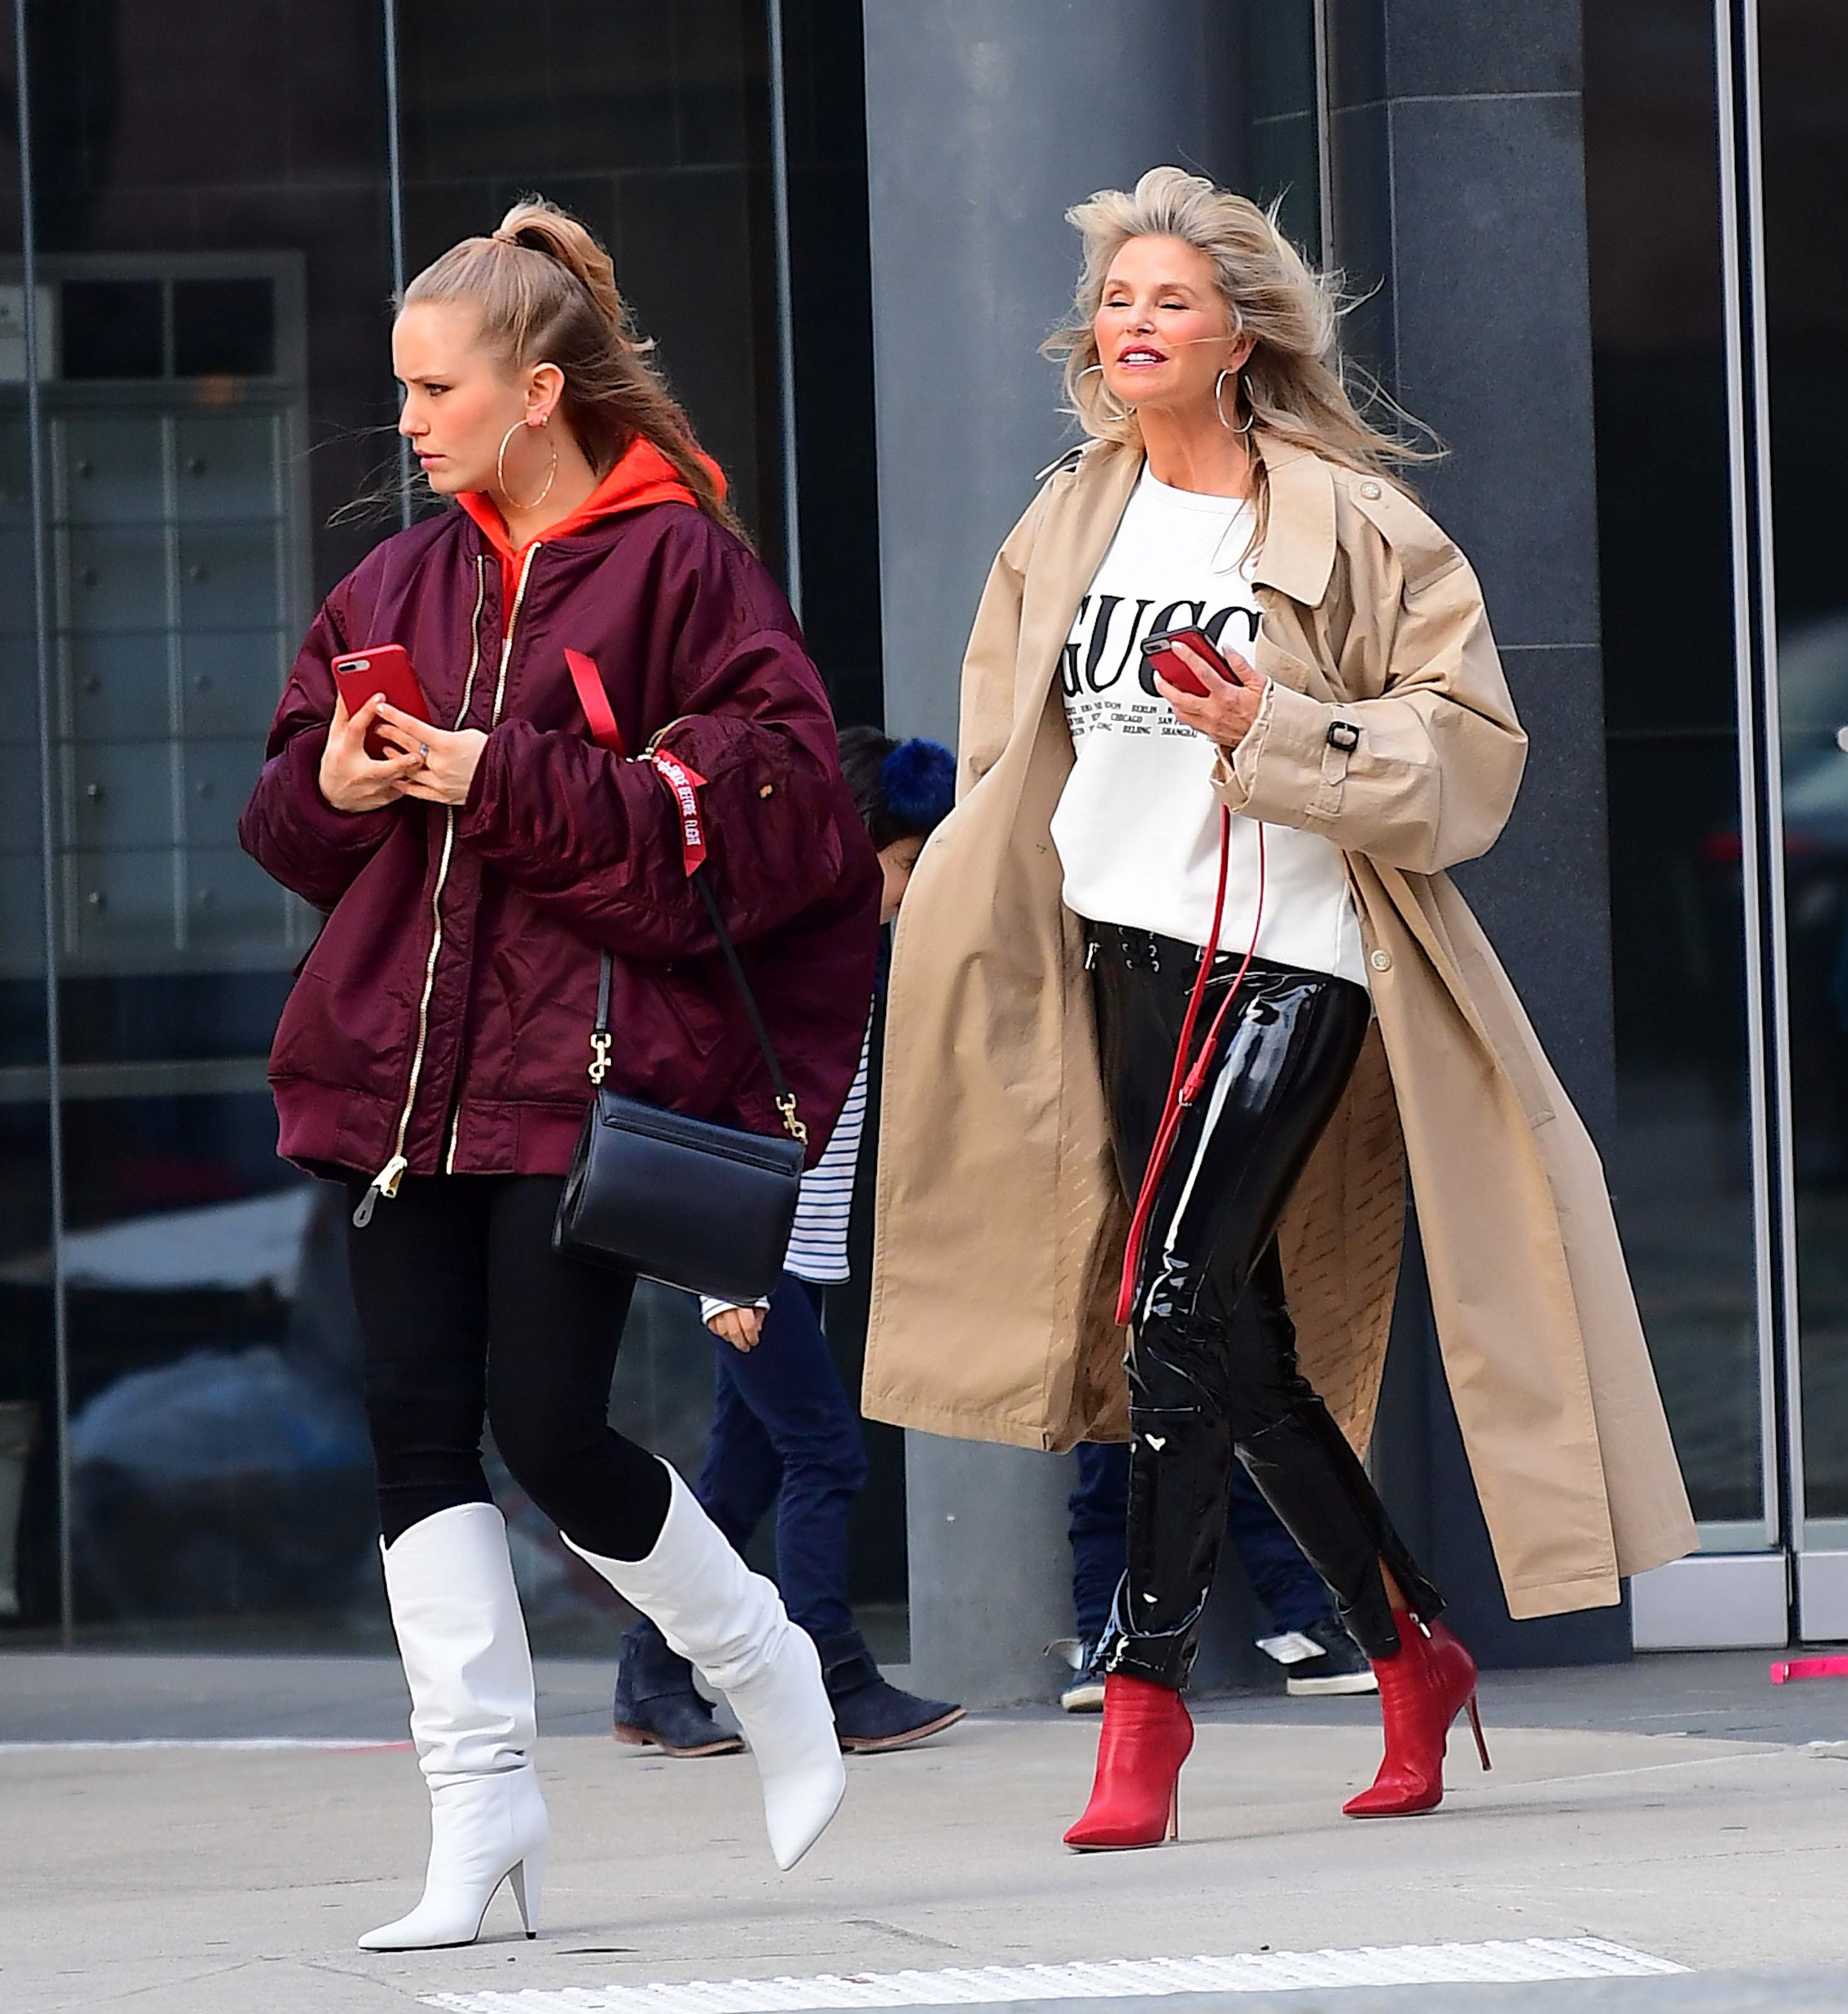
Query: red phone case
point(385, 669)
point(1159, 651)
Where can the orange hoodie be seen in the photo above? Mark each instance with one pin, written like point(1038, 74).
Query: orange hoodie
point(643, 475)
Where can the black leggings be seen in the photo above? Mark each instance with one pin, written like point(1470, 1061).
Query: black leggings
point(468, 1314)
point(1201, 1387)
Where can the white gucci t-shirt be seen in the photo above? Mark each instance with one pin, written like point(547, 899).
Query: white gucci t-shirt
point(1137, 826)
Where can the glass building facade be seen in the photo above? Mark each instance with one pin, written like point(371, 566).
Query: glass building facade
point(1719, 277)
point(207, 208)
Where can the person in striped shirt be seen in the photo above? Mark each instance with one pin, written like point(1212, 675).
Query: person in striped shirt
point(785, 1434)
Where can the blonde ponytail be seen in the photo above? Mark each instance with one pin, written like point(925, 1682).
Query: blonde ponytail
point(543, 227)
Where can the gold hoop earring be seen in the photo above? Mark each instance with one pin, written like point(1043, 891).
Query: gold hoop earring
point(501, 469)
point(1218, 382)
point(1122, 412)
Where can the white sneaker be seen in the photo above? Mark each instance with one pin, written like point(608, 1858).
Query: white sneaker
point(1320, 1661)
point(1083, 1692)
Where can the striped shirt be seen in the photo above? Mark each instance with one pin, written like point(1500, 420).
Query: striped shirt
point(818, 1243)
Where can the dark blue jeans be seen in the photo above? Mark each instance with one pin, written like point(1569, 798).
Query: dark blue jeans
point(1284, 1582)
point(786, 1434)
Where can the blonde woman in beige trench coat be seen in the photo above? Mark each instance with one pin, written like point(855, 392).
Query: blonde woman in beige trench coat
point(1365, 745)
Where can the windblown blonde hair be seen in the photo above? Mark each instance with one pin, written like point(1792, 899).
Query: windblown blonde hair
point(546, 293)
point(1291, 385)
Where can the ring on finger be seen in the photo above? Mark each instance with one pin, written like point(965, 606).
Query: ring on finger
point(423, 751)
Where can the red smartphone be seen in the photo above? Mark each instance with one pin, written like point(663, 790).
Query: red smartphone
point(1158, 650)
point(384, 668)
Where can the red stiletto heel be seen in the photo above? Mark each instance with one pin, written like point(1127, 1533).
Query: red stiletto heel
point(1135, 1797)
point(1422, 1691)
point(1482, 1747)
point(1444, 1646)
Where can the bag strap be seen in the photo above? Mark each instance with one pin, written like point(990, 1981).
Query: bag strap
point(595, 701)
point(1186, 1084)
point(779, 1084)
point(601, 1038)
point(604, 731)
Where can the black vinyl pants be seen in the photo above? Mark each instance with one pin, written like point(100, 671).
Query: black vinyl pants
point(1201, 1387)
point(469, 1315)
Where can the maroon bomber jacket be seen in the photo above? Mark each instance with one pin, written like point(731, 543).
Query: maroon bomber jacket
point(444, 1016)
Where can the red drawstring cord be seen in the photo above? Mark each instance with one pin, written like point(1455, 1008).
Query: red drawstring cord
point(1185, 1085)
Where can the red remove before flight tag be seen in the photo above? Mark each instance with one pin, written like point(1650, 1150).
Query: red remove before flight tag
point(686, 784)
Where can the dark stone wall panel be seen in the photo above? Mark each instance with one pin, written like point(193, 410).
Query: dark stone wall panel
point(1357, 51)
point(1495, 346)
point(1542, 892)
point(1437, 48)
point(1362, 190)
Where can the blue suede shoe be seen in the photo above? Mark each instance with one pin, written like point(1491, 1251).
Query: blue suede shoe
point(869, 1715)
point(656, 1704)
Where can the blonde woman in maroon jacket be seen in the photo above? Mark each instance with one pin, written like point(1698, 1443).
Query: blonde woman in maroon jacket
point(433, 1053)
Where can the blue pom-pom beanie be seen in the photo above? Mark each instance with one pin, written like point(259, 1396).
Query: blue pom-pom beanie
point(918, 781)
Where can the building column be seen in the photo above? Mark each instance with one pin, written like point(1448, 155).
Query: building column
point(984, 124)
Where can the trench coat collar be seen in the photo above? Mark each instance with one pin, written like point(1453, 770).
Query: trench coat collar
point(1298, 553)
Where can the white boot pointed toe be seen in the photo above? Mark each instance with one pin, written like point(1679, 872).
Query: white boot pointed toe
point(784, 1711)
point(483, 1830)
point(731, 1622)
point(463, 1643)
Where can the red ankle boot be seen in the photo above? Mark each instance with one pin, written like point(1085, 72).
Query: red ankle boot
point(1422, 1691)
point(1136, 1795)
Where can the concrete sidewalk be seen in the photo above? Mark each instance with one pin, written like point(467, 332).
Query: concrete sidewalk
point(1676, 1807)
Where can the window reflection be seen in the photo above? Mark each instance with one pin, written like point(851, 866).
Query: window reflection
point(111, 329)
point(1804, 67)
point(219, 1460)
point(212, 242)
point(29, 1576)
point(1680, 1161)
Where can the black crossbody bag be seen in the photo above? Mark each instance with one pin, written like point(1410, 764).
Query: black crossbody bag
point(687, 1201)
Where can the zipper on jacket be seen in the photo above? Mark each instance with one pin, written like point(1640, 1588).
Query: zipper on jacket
point(513, 616)
point(386, 1182)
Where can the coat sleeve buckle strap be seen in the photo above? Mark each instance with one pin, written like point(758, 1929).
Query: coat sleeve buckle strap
point(1342, 739)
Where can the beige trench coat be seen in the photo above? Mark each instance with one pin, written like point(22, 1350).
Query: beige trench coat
point(1000, 1219)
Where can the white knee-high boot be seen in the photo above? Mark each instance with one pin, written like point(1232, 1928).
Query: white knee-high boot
point(463, 1639)
point(730, 1623)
